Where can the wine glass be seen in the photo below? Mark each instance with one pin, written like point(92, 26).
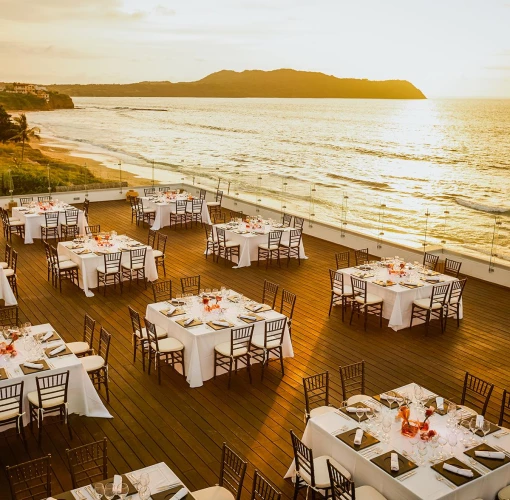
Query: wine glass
point(386, 426)
point(422, 450)
point(486, 428)
point(473, 428)
point(434, 443)
point(135, 481)
point(123, 492)
point(109, 491)
point(360, 411)
point(144, 479)
point(442, 441)
point(99, 490)
point(452, 441)
point(144, 493)
point(418, 393)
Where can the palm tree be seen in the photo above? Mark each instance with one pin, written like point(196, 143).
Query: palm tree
point(24, 134)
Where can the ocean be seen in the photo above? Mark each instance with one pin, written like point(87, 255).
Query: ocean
point(375, 166)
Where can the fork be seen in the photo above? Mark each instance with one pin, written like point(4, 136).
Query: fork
point(480, 468)
point(403, 477)
point(445, 481)
point(502, 450)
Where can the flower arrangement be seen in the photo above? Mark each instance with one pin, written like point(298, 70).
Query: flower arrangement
point(411, 427)
point(9, 349)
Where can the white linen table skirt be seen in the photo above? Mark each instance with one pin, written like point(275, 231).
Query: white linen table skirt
point(6, 292)
point(249, 244)
point(33, 223)
point(163, 211)
point(398, 300)
point(199, 342)
point(319, 435)
point(83, 398)
point(89, 262)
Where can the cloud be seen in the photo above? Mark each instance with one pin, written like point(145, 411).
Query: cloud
point(43, 51)
point(498, 68)
point(161, 10)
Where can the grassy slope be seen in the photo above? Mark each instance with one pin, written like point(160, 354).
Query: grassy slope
point(23, 102)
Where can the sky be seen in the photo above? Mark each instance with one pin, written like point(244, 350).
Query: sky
point(447, 48)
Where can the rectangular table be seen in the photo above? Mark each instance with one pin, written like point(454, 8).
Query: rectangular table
point(34, 219)
point(89, 262)
point(199, 341)
point(83, 398)
point(165, 208)
point(6, 292)
point(249, 242)
point(320, 436)
point(398, 299)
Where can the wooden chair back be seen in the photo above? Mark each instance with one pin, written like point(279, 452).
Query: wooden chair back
point(162, 290)
point(303, 459)
point(476, 392)
point(30, 480)
point(352, 378)
point(262, 489)
point(88, 463)
point(343, 260)
point(269, 293)
point(316, 388)
point(233, 470)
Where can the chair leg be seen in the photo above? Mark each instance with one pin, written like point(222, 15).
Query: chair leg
point(380, 316)
point(40, 425)
point(248, 366)
point(158, 368)
point(281, 360)
point(135, 345)
point(230, 373)
point(107, 389)
point(296, 488)
point(365, 312)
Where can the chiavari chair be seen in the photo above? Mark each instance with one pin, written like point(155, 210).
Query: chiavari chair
point(145, 214)
point(211, 243)
point(214, 207)
point(159, 251)
point(134, 201)
point(180, 215)
point(12, 226)
point(352, 378)
point(191, 284)
point(236, 214)
point(163, 189)
point(110, 272)
point(162, 290)
point(262, 489)
point(50, 227)
point(431, 307)
point(270, 343)
point(430, 261)
point(287, 305)
point(286, 220)
point(316, 390)
point(361, 256)
point(226, 248)
point(85, 346)
point(49, 398)
point(343, 260)
point(44, 199)
point(312, 473)
point(365, 303)
point(169, 350)
point(70, 227)
point(30, 480)
point(7, 261)
point(10, 272)
point(194, 211)
point(9, 316)
point(270, 249)
point(149, 191)
point(230, 484)
point(298, 223)
point(504, 415)
point(343, 488)
point(26, 201)
point(139, 334)
point(292, 248)
point(452, 268)
point(269, 293)
point(152, 238)
point(202, 194)
point(454, 301)
point(135, 266)
point(11, 408)
point(218, 217)
point(93, 229)
point(63, 269)
point(476, 394)
point(341, 294)
point(96, 365)
point(227, 355)
point(86, 206)
point(88, 463)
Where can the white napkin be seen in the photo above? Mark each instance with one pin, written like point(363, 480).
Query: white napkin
point(58, 349)
point(220, 323)
point(180, 494)
point(490, 454)
point(457, 470)
point(354, 409)
point(171, 309)
point(46, 336)
point(394, 462)
point(188, 321)
point(117, 483)
point(35, 366)
point(358, 437)
point(258, 307)
point(479, 421)
point(387, 397)
point(440, 403)
point(245, 316)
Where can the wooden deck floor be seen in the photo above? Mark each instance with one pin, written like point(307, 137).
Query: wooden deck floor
point(185, 427)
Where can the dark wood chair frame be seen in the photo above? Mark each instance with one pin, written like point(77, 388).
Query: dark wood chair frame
point(477, 392)
point(352, 379)
point(195, 213)
point(88, 463)
point(452, 267)
point(299, 223)
point(293, 248)
point(191, 284)
point(232, 472)
point(359, 289)
point(438, 296)
point(180, 215)
point(93, 229)
point(227, 252)
point(137, 258)
point(342, 488)
point(430, 260)
point(454, 300)
point(273, 240)
point(343, 260)
point(211, 243)
point(50, 229)
point(70, 227)
point(162, 290)
point(274, 331)
point(113, 271)
point(336, 279)
point(30, 480)
point(262, 489)
point(316, 390)
point(11, 398)
point(504, 415)
point(100, 376)
point(287, 305)
point(361, 256)
point(59, 274)
point(269, 293)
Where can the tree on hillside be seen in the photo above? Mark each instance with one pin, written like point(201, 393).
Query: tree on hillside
point(24, 133)
point(7, 129)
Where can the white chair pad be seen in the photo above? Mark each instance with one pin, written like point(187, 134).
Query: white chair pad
point(8, 271)
point(258, 341)
point(320, 466)
point(133, 267)
point(169, 344)
point(265, 246)
point(66, 264)
point(11, 412)
point(34, 399)
point(4, 265)
point(213, 203)
point(160, 332)
point(504, 493)
point(229, 244)
point(149, 210)
point(78, 347)
point(321, 410)
point(213, 493)
point(347, 291)
point(157, 253)
point(289, 245)
point(425, 304)
point(371, 299)
point(357, 398)
point(101, 269)
point(13, 219)
point(16, 223)
point(368, 493)
point(224, 349)
point(92, 363)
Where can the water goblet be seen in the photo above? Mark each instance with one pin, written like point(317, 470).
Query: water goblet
point(144, 479)
point(418, 392)
point(452, 441)
point(473, 428)
point(486, 428)
point(452, 411)
point(442, 441)
point(359, 413)
point(144, 493)
point(109, 491)
point(99, 490)
point(434, 443)
point(422, 450)
point(386, 426)
point(123, 492)
point(135, 481)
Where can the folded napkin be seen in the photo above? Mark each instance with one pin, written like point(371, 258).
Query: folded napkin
point(188, 321)
point(387, 397)
point(35, 366)
point(58, 349)
point(440, 403)
point(247, 316)
point(46, 336)
point(394, 462)
point(499, 455)
point(479, 421)
point(458, 470)
point(258, 307)
point(354, 409)
point(117, 483)
point(358, 437)
point(221, 323)
point(180, 494)
point(171, 309)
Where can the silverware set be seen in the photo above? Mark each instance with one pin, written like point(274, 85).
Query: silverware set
point(445, 481)
point(502, 450)
point(500, 434)
point(371, 452)
point(341, 429)
point(478, 467)
point(403, 477)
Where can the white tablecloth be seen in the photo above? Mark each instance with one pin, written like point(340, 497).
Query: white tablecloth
point(249, 243)
point(33, 222)
point(6, 292)
point(163, 211)
point(89, 262)
point(319, 435)
point(82, 396)
point(398, 300)
point(199, 341)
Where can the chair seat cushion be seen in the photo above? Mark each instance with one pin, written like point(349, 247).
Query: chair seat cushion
point(258, 341)
point(454, 301)
point(425, 304)
point(504, 493)
point(229, 244)
point(78, 347)
point(371, 299)
point(128, 265)
point(320, 466)
point(213, 493)
point(10, 409)
point(289, 245)
point(149, 210)
point(101, 270)
point(368, 493)
point(321, 410)
point(160, 332)
point(8, 271)
point(49, 226)
point(265, 246)
point(213, 203)
point(169, 344)
point(13, 219)
point(16, 223)
point(347, 291)
point(224, 349)
point(4, 265)
point(92, 363)
point(357, 398)
point(69, 225)
point(157, 253)
point(66, 264)
point(34, 399)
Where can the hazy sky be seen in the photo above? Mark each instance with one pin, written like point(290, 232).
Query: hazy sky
point(445, 47)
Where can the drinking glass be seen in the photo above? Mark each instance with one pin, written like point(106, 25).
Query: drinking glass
point(422, 450)
point(452, 440)
point(123, 492)
point(434, 443)
point(414, 444)
point(144, 493)
point(359, 413)
point(452, 411)
point(486, 428)
point(418, 392)
point(144, 479)
point(442, 441)
point(109, 491)
point(135, 481)
point(99, 490)
point(473, 428)
point(386, 426)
